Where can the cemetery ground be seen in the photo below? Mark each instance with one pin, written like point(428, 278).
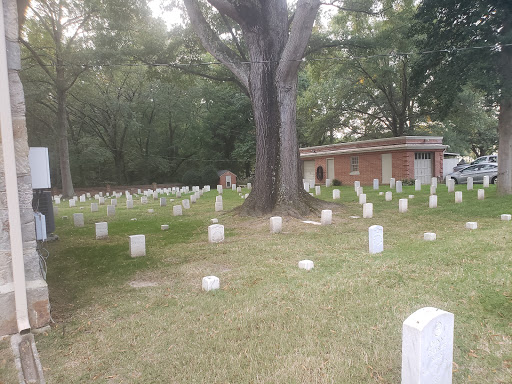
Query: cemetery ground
point(146, 320)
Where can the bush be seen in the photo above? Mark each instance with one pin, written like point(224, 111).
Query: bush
point(209, 176)
point(336, 183)
point(408, 182)
point(191, 177)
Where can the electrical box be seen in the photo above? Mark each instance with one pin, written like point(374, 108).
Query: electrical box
point(40, 221)
point(39, 167)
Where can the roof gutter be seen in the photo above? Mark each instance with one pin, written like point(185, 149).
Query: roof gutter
point(11, 186)
point(384, 148)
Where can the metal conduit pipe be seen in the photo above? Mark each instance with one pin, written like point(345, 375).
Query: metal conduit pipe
point(11, 186)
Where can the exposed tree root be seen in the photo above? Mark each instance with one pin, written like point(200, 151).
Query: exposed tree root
point(303, 206)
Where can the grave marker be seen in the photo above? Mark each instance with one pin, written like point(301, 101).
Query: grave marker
point(367, 210)
point(111, 210)
point(375, 239)
point(402, 205)
point(392, 183)
point(326, 217)
point(399, 186)
point(362, 198)
point(308, 265)
point(215, 233)
point(101, 230)
point(276, 224)
point(375, 184)
point(137, 245)
point(328, 182)
point(417, 185)
point(429, 236)
point(72, 203)
point(185, 203)
point(94, 207)
point(129, 204)
point(432, 201)
point(164, 227)
point(486, 181)
point(317, 190)
point(506, 217)
point(427, 347)
point(336, 194)
point(471, 225)
point(458, 197)
point(163, 201)
point(210, 283)
point(177, 210)
point(218, 206)
point(470, 183)
point(481, 194)
point(78, 219)
point(389, 196)
point(451, 185)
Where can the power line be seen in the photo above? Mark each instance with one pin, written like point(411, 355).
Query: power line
point(451, 50)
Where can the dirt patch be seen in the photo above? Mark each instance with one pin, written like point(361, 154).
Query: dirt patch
point(142, 284)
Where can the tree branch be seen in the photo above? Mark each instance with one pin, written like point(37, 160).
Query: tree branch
point(36, 56)
point(228, 9)
point(213, 44)
point(300, 33)
point(233, 36)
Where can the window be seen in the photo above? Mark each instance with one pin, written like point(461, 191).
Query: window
point(354, 164)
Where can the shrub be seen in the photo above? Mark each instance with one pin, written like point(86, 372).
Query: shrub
point(191, 177)
point(336, 182)
point(408, 182)
point(209, 176)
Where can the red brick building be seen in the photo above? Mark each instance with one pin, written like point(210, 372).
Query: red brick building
point(405, 157)
point(226, 178)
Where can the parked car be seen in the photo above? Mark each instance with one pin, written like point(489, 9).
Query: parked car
point(477, 172)
point(481, 159)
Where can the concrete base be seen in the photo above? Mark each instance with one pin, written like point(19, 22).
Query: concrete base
point(26, 359)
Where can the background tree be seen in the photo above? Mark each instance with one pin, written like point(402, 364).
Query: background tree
point(456, 25)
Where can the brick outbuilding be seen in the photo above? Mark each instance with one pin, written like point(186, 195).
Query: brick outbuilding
point(226, 178)
point(405, 157)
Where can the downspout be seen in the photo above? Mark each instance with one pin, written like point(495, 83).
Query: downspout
point(11, 186)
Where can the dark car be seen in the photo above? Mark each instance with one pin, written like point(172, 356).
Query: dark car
point(477, 172)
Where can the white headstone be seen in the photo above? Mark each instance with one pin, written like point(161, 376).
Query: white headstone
point(362, 198)
point(376, 239)
point(433, 182)
point(219, 189)
point(335, 194)
point(328, 182)
point(218, 199)
point(486, 181)
point(163, 201)
point(78, 219)
point(101, 230)
point(210, 283)
point(144, 200)
point(249, 186)
point(57, 200)
point(417, 185)
point(239, 189)
point(317, 190)
point(276, 224)
point(214, 221)
point(427, 347)
point(94, 207)
point(399, 186)
point(178, 193)
point(433, 189)
point(432, 201)
point(233, 187)
point(375, 184)
point(506, 217)
point(481, 194)
point(326, 217)
point(392, 183)
point(215, 233)
point(193, 198)
point(451, 185)
point(471, 225)
point(185, 203)
point(389, 196)
point(218, 206)
point(137, 245)
point(72, 203)
point(129, 204)
point(470, 183)
point(367, 210)
point(458, 197)
point(164, 227)
point(429, 236)
point(151, 210)
point(111, 210)
point(177, 210)
point(113, 202)
point(359, 191)
point(306, 264)
point(357, 184)
point(306, 186)
point(402, 205)
point(82, 198)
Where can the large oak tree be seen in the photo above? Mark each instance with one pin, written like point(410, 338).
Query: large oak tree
point(276, 43)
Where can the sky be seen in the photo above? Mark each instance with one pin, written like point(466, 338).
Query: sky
point(170, 18)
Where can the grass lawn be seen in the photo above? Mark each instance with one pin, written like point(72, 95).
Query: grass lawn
point(271, 322)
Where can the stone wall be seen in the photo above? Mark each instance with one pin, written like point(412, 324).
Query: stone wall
point(37, 290)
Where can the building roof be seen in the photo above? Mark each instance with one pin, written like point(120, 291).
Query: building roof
point(413, 143)
point(220, 173)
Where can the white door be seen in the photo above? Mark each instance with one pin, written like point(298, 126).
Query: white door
point(330, 169)
point(387, 168)
point(309, 170)
point(228, 181)
point(423, 167)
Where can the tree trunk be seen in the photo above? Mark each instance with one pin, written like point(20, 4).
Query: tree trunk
point(62, 122)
